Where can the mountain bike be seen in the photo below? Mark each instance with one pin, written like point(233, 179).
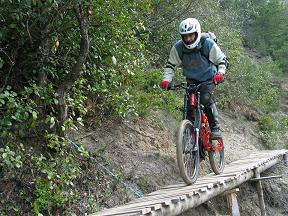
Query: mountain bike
point(193, 138)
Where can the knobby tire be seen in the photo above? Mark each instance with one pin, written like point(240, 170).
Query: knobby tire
point(216, 159)
point(188, 159)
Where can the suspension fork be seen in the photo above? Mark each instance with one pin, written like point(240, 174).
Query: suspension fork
point(197, 122)
point(186, 106)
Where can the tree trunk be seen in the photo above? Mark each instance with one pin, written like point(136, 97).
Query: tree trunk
point(83, 19)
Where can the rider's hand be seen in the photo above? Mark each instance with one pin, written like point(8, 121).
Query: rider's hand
point(164, 84)
point(218, 78)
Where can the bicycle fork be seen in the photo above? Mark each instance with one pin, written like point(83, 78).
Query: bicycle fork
point(197, 122)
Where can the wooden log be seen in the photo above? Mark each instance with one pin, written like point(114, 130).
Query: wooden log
point(265, 178)
point(232, 202)
point(260, 192)
point(285, 157)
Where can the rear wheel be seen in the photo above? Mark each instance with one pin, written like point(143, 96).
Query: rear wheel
point(187, 155)
point(216, 157)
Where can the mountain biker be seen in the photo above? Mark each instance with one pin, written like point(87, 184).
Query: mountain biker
point(201, 60)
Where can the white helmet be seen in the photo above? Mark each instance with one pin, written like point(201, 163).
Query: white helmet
point(188, 26)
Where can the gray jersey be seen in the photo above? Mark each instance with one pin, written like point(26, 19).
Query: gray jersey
point(198, 64)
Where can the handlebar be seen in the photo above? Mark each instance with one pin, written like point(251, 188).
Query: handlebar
point(187, 86)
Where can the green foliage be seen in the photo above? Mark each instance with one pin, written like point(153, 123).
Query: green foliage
point(269, 139)
point(10, 159)
point(269, 131)
point(265, 26)
point(143, 183)
point(147, 94)
point(15, 109)
point(251, 86)
point(54, 187)
point(266, 123)
point(273, 130)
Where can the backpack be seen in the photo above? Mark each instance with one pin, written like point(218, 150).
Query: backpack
point(212, 36)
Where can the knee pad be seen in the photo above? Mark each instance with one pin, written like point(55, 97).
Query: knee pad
point(206, 99)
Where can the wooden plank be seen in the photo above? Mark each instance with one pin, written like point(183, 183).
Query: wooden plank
point(156, 207)
point(230, 174)
point(211, 181)
point(236, 170)
point(188, 193)
point(139, 206)
point(183, 189)
point(139, 211)
point(248, 160)
point(178, 192)
point(219, 179)
point(202, 189)
point(182, 184)
point(157, 199)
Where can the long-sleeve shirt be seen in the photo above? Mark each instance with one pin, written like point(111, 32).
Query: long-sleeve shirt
point(198, 64)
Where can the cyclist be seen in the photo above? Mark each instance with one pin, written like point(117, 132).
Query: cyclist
point(201, 60)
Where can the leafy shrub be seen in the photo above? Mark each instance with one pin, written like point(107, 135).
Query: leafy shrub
point(54, 187)
point(148, 96)
point(251, 86)
point(273, 130)
point(10, 159)
point(269, 139)
point(266, 123)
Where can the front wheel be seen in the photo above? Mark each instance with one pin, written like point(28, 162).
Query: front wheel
point(216, 156)
point(187, 153)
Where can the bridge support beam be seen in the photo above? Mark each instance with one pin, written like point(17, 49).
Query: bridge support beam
point(285, 157)
point(260, 192)
point(232, 202)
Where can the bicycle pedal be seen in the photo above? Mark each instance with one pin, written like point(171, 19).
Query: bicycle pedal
point(214, 142)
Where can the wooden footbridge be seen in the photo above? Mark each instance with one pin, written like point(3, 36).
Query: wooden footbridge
point(175, 199)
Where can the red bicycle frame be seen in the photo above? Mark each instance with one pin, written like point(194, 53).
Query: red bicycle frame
point(204, 128)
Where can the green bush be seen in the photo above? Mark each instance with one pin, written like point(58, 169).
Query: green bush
point(267, 123)
point(54, 186)
point(273, 130)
